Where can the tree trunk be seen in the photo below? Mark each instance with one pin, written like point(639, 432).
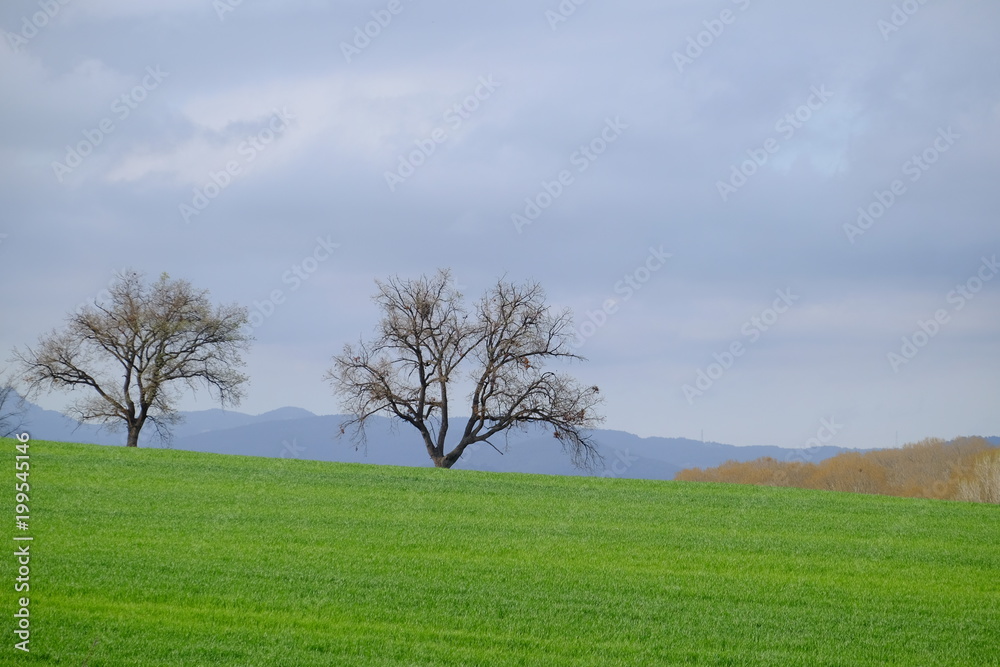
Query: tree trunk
point(135, 425)
point(442, 460)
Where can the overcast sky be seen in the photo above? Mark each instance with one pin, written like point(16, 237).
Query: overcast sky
point(686, 176)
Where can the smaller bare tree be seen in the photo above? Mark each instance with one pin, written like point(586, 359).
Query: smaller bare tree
point(133, 353)
point(12, 409)
point(424, 341)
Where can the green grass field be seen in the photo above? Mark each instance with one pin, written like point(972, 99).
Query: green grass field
point(156, 557)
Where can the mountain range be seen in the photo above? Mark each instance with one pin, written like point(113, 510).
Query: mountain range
point(296, 433)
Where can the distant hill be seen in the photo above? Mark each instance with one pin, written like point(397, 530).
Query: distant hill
point(296, 433)
point(292, 432)
point(206, 421)
point(51, 425)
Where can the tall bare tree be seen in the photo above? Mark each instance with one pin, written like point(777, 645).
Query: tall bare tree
point(134, 353)
point(427, 338)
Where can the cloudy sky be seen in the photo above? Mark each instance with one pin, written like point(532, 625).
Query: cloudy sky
point(764, 215)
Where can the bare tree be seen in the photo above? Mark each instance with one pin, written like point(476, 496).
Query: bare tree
point(134, 353)
point(12, 409)
point(427, 338)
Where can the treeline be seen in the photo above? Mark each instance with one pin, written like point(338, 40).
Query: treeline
point(961, 469)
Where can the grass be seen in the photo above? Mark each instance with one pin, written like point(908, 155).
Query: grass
point(156, 557)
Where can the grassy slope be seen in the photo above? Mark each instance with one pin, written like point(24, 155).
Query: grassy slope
point(176, 558)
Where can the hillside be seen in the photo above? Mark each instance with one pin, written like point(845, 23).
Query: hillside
point(159, 557)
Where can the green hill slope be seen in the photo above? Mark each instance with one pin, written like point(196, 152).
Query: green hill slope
point(155, 557)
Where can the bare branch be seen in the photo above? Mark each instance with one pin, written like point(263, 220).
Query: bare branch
point(133, 353)
point(426, 335)
point(12, 409)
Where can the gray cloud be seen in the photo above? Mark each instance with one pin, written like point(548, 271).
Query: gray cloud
point(324, 175)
